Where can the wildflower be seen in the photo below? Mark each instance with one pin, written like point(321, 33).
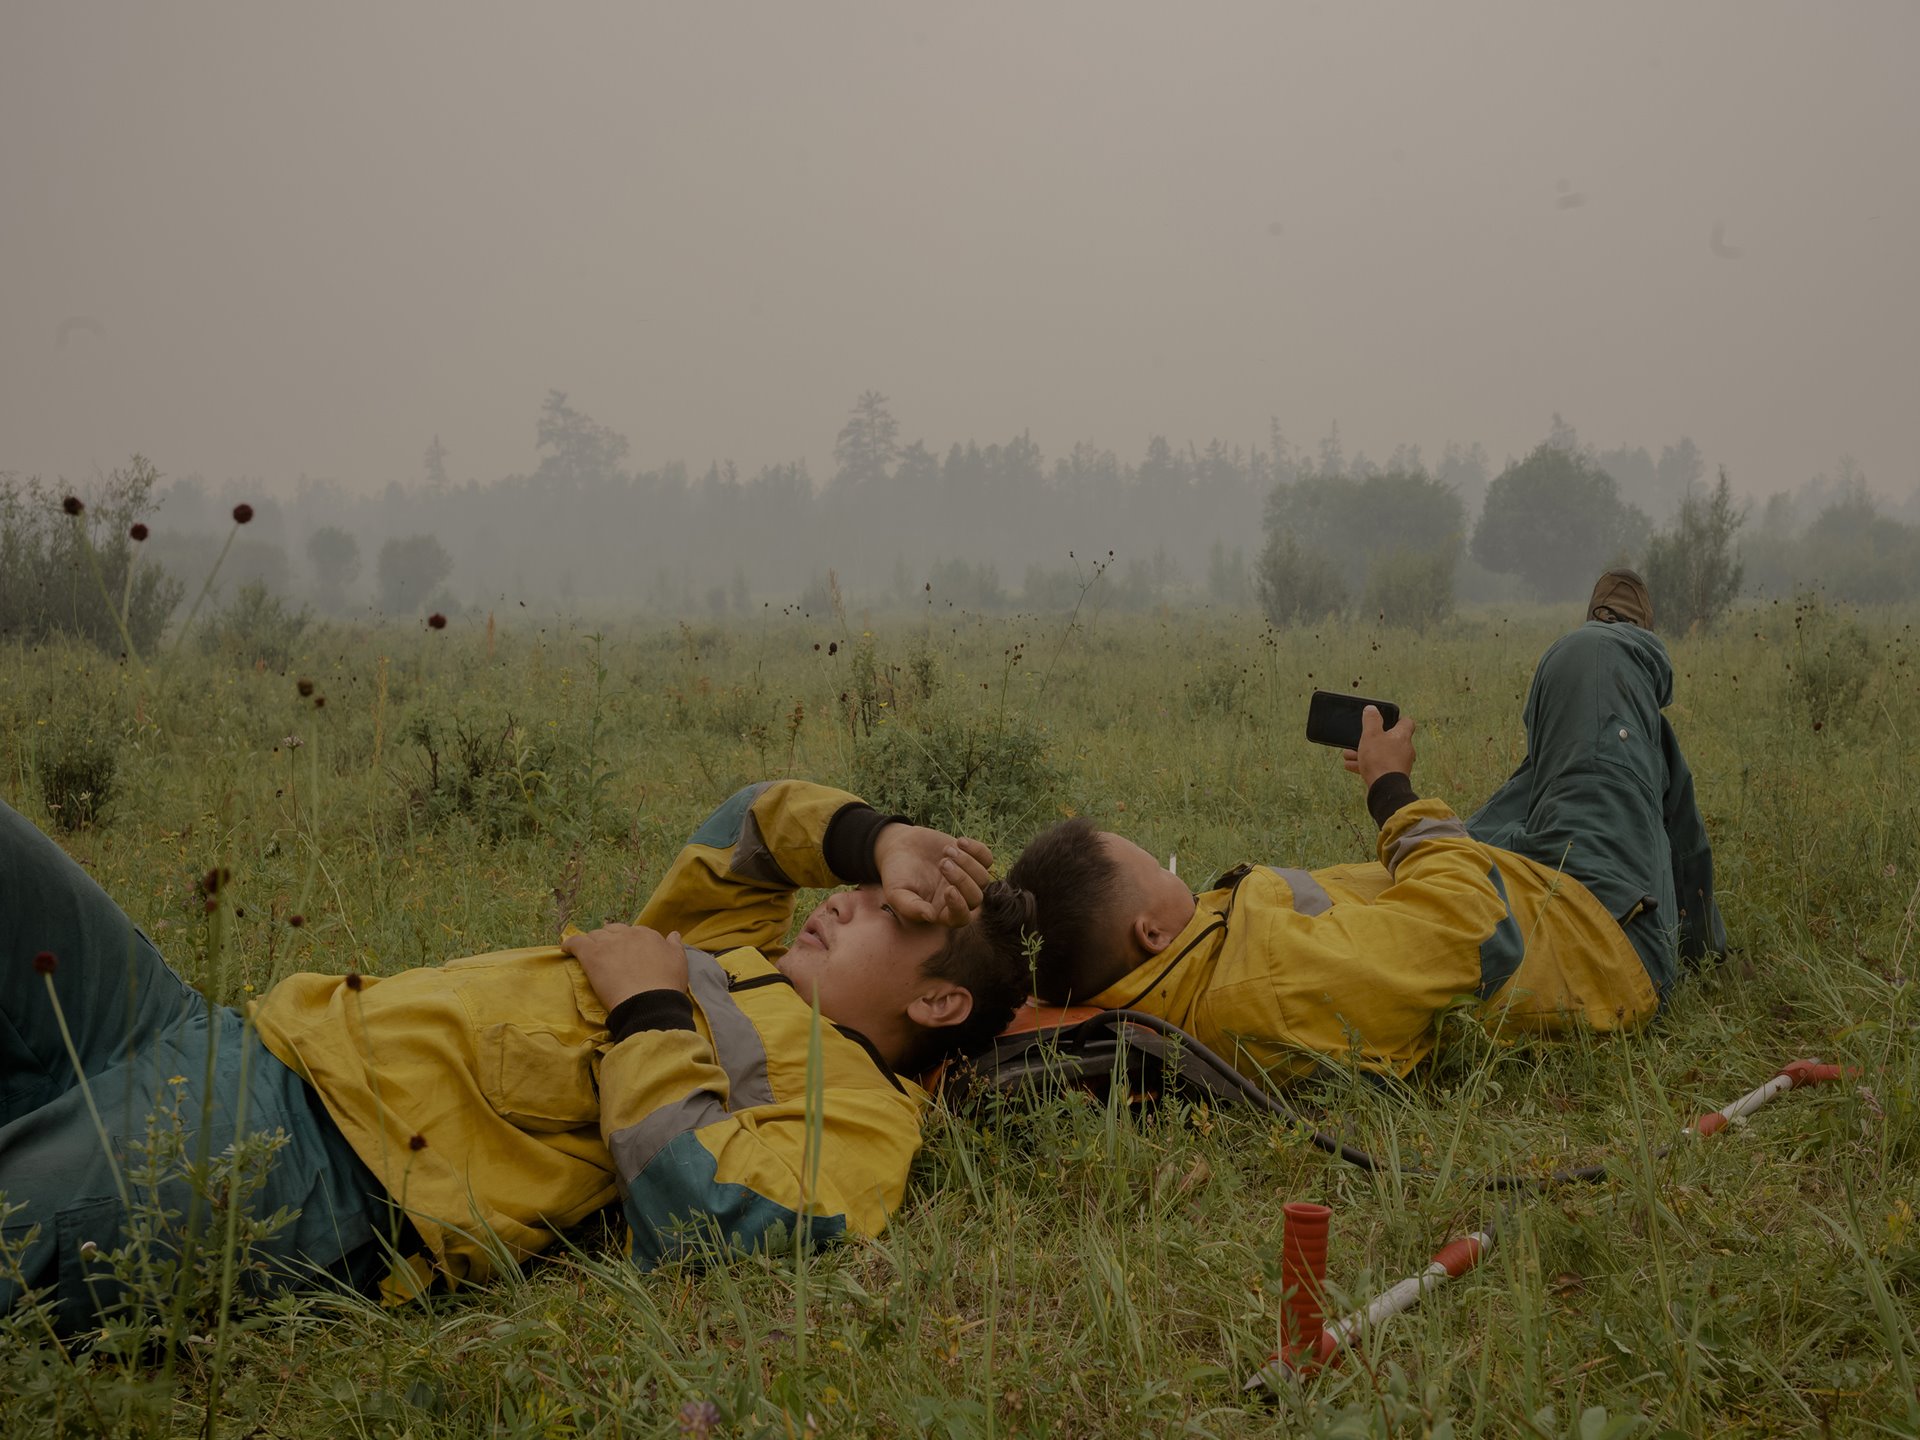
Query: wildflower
point(296, 920)
point(242, 513)
point(73, 505)
point(176, 1080)
point(697, 1419)
point(436, 621)
point(353, 980)
point(416, 1142)
point(44, 963)
point(139, 531)
point(305, 687)
point(211, 882)
point(291, 742)
point(833, 648)
point(319, 702)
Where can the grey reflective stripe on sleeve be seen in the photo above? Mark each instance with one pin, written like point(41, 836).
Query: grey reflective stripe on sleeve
point(634, 1147)
point(736, 1044)
point(752, 858)
point(1309, 896)
point(1419, 833)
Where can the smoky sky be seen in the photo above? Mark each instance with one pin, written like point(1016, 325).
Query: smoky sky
point(272, 240)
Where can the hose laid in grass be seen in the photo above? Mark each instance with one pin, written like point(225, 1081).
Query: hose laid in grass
point(1454, 1259)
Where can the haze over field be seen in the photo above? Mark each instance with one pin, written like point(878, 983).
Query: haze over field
point(266, 242)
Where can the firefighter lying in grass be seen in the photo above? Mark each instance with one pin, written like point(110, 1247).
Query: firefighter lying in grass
point(1568, 900)
point(495, 1101)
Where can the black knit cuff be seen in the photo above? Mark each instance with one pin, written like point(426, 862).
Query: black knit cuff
point(847, 846)
point(1388, 795)
point(650, 1010)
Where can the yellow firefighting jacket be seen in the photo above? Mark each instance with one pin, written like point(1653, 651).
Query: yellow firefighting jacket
point(1280, 969)
point(488, 1098)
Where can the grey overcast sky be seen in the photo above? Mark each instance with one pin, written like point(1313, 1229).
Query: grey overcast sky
point(261, 240)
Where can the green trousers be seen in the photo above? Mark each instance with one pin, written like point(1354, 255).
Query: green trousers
point(1605, 794)
point(145, 1041)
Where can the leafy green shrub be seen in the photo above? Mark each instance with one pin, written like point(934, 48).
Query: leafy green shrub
point(1219, 687)
point(496, 776)
point(1297, 585)
point(971, 587)
point(410, 568)
point(256, 627)
point(79, 777)
point(1692, 569)
point(1413, 588)
point(962, 774)
point(1832, 661)
point(70, 568)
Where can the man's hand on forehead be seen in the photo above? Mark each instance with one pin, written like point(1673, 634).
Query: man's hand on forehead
point(929, 876)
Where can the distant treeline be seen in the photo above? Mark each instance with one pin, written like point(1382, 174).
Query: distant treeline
point(987, 526)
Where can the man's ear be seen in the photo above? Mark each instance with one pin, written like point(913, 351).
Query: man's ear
point(1148, 937)
point(941, 1004)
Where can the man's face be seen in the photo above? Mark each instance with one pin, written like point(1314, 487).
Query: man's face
point(860, 960)
point(1145, 885)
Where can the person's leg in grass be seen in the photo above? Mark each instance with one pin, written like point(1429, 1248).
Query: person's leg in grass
point(113, 986)
point(1604, 792)
point(147, 1045)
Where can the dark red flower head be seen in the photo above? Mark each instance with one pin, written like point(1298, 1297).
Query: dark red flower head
point(416, 1141)
point(353, 980)
point(74, 505)
point(436, 621)
point(139, 530)
point(296, 920)
point(242, 513)
point(44, 963)
point(305, 687)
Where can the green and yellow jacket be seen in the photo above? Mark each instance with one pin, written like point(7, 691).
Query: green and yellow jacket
point(1281, 969)
point(498, 1108)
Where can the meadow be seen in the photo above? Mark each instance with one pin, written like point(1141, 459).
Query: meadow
point(1063, 1267)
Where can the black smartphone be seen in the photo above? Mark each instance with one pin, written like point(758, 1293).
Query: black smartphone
point(1333, 717)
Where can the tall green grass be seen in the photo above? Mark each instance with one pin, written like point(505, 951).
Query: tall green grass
point(1069, 1267)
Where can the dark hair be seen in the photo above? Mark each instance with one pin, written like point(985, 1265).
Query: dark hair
point(987, 955)
point(1075, 887)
